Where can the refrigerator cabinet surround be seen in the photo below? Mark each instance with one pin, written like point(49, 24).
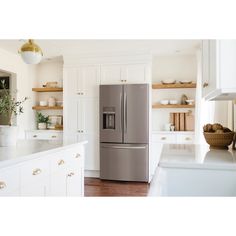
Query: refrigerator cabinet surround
point(124, 162)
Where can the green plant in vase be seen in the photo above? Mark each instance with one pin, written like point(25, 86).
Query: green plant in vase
point(42, 121)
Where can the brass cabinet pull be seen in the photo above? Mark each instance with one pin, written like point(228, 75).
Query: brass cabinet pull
point(71, 174)
point(35, 136)
point(61, 162)
point(187, 138)
point(2, 185)
point(77, 155)
point(82, 131)
point(78, 131)
point(163, 138)
point(205, 85)
point(78, 93)
point(54, 136)
point(37, 172)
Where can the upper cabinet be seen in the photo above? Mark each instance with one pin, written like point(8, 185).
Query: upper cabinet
point(82, 81)
point(120, 74)
point(218, 69)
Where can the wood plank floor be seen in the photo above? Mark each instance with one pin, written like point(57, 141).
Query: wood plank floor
point(104, 188)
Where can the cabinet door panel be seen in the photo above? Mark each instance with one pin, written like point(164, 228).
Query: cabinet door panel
point(135, 73)
point(74, 182)
point(88, 81)
point(111, 74)
point(87, 115)
point(58, 183)
point(37, 188)
point(91, 151)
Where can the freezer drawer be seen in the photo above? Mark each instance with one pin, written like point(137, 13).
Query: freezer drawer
point(124, 162)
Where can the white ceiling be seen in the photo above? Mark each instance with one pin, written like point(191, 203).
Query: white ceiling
point(53, 48)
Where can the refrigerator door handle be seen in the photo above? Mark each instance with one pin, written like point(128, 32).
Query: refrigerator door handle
point(123, 147)
point(121, 108)
point(125, 112)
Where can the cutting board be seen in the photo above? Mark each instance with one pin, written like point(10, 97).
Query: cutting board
point(181, 121)
point(189, 122)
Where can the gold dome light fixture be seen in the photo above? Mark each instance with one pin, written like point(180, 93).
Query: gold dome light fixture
point(31, 53)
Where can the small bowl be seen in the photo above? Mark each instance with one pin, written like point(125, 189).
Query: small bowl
point(173, 102)
point(185, 81)
point(190, 101)
point(43, 103)
point(168, 81)
point(164, 102)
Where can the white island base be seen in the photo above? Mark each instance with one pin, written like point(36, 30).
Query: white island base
point(42, 168)
point(195, 170)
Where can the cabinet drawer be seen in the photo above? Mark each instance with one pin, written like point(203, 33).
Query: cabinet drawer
point(164, 138)
point(34, 170)
point(46, 136)
point(185, 138)
point(9, 181)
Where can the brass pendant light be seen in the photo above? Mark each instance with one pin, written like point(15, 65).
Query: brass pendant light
point(31, 53)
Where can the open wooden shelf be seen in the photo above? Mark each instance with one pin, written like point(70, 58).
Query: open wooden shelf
point(172, 106)
point(47, 108)
point(173, 86)
point(47, 89)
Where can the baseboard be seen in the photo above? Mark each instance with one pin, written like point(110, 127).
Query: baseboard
point(92, 173)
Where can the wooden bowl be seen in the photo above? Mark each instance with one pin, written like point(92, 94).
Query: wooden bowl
point(219, 141)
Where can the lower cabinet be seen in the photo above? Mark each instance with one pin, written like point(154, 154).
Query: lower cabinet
point(57, 174)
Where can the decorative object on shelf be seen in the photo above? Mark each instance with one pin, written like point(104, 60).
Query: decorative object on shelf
point(55, 122)
point(51, 85)
point(190, 101)
point(182, 121)
point(42, 121)
point(59, 103)
point(9, 107)
point(164, 102)
point(172, 128)
point(185, 81)
point(173, 102)
point(168, 81)
point(167, 126)
point(31, 53)
point(43, 103)
point(183, 99)
point(218, 137)
point(51, 102)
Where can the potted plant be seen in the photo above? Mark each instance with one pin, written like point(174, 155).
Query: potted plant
point(9, 107)
point(42, 121)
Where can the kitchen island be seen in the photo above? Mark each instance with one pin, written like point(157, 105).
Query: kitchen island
point(42, 168)
point(195, 170)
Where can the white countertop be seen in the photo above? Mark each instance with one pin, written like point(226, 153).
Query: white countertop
point(29, 149)
point(197, 156)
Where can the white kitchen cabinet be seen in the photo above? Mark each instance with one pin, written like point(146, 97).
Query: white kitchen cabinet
point(39, 188)
point(121, 74)
point(44, 134)
point(72, 179)
point(218, 69)
point(91, 150)
point(87, 115)
point(82, 81)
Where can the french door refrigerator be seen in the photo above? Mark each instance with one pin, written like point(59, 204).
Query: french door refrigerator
point(124, 132)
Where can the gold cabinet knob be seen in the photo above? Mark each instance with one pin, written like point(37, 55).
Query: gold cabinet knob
point(77, 155)
point(36, 172)
point(205, 85)
point(71, 174)
point(163, 138)
point(2, 185)
point(61, 162)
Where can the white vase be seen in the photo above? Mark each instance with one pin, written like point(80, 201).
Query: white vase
point(42, 126)
point(8, 135)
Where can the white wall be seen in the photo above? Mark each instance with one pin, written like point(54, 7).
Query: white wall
point(24, 80)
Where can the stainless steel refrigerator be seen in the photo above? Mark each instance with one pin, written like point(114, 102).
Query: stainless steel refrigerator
point(124, 132)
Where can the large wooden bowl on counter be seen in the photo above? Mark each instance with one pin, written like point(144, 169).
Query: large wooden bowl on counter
point(219, 140)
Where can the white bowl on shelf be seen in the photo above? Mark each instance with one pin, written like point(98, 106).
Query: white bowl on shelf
point(164, 102)
point(43, 103)
point(185, 81)
point(190, 101)
point(168, 81)
point(173, 102)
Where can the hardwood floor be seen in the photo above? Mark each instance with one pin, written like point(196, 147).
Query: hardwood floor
point(104, 188)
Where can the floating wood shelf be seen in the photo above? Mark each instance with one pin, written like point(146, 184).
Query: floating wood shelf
point(47, 108)
point(47, 89)
point(172, 106)
point(173, 86)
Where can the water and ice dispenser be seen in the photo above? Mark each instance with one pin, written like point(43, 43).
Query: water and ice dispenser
point(109, 116)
